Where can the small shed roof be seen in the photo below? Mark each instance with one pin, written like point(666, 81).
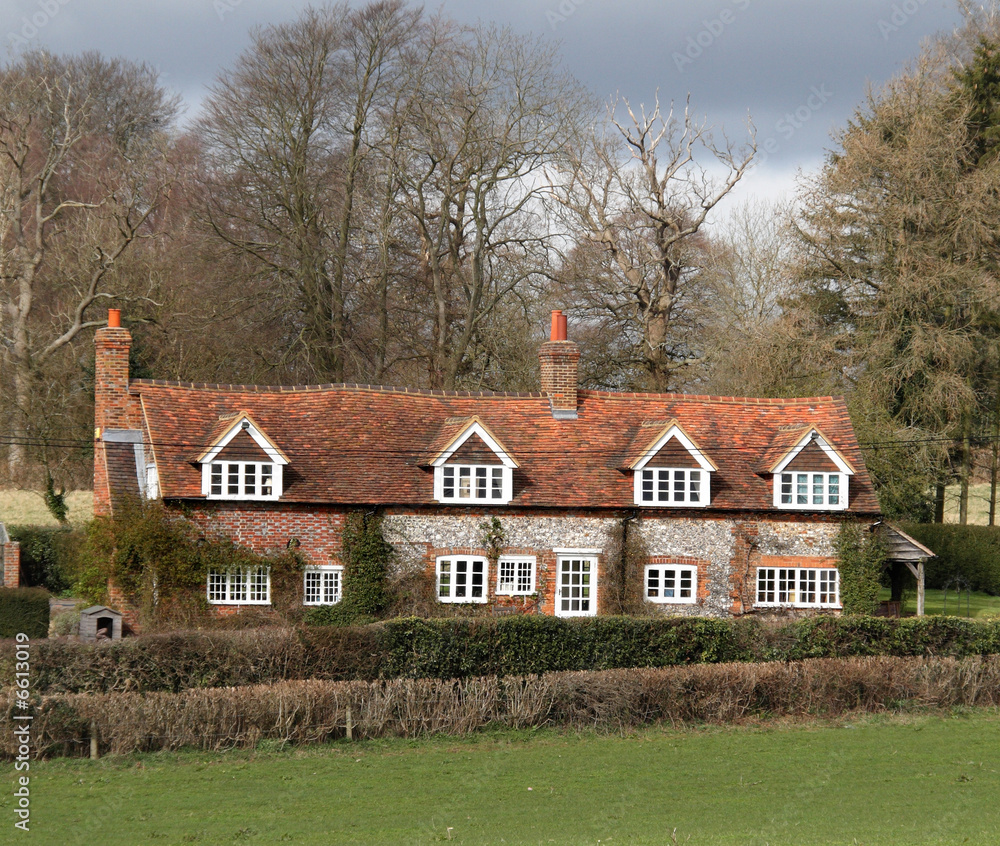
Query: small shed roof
point(902, 547)
point(95, 610)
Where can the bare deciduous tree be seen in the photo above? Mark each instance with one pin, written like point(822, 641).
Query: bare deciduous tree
point(641, 196)
point(82, 170)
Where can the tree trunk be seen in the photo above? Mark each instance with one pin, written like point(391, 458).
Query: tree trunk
point(939, 502)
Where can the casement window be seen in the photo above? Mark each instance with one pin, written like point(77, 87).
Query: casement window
point(462, 578)
point(798, 587)
point(250, 586)
point(516, 575)
point(812, 490)
point(323, 585)
point(672, 486)
point(672, 471)
point(672, 583)
point(243, 480)
point(473, 483)
point(256, 474)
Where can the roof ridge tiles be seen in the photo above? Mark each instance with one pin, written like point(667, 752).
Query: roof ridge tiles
point(329, 386)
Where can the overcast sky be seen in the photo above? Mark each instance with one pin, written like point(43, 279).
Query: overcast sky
point(798, 67)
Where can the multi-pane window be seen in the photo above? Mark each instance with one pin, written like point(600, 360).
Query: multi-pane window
point(812, 490)
point(323, 585)
point(576, 587)
point(473, 483)
point(672, 486)
point(516, 576)
point(242, 480)
point(461, 578)
point(671, 583)
point(801, 587)
point(251, 586)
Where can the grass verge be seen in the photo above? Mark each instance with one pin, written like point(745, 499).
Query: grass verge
point(902, 780)
point(27, 508)
point(975, 604)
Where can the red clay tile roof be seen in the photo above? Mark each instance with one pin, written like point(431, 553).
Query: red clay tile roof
point(351, 444)
point(789, 437)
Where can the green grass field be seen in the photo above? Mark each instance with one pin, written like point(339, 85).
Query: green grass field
point(976, 604)
point(901, 780)
point(27, 508)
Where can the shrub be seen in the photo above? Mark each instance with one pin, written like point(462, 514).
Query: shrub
point(366, 555)
point(48, 555)
point(972, 552)
point(463, 648)
point(24, 610)
point(861, 561)
point(610, 700)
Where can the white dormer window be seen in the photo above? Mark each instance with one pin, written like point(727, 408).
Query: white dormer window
point(237, 473)
point(659, 481)
point(467, 482)
point(242, 480)
point(665, 486)
point(797, 486)
point(812, 490)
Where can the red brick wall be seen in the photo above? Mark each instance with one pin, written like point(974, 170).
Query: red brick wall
point(12, 564)
point(262, 527)
point(559, 362)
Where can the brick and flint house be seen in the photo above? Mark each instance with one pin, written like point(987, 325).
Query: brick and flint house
point(738, 501)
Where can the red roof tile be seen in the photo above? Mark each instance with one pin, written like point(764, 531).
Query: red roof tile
point(365, 445)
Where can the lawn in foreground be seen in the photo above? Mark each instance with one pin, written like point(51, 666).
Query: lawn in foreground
point(913, 780)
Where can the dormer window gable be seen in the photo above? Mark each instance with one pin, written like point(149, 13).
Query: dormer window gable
point(474, 467)
point(811, 475)
point(673, 471)
point(242, 463)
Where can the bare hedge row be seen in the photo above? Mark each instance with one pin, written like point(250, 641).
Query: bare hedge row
point(313, 711)
point(463, 648)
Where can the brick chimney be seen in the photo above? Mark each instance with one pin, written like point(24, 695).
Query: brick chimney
point(111, 399)
point(560, 365)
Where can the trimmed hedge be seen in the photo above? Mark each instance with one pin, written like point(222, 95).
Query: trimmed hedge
point(464, 648)
point(315, 711)
point(972, 552)
point(24, 610)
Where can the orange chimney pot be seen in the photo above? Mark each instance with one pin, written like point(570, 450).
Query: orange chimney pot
point(114, 318)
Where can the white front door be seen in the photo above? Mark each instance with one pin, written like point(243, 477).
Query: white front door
point(576, 586)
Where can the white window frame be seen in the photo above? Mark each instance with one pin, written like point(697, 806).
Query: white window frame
point(505, 465)
point(329, 587)
point(241, 469)
point(657, 477)
point(798, 587)
point(591, 598)
point(516, 575)
point(643, 467)
point(656, 579)
point(152, 489)
point(791, 487)
point(235, 587)
point(275, 461)
point(786, 479)
point(481, 477)
point(459, 590)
